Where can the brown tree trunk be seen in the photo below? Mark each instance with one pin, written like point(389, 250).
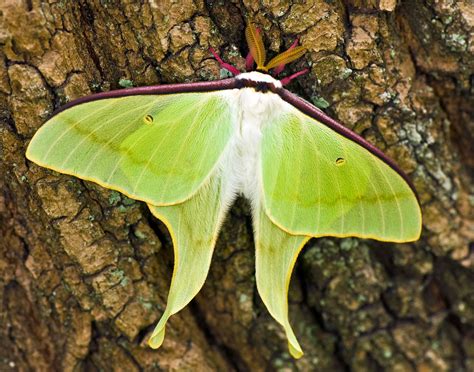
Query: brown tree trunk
point(84, 271)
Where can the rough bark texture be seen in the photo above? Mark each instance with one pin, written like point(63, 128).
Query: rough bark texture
point(84, 271)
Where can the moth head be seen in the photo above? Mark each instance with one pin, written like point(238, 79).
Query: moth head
point(257, 55)
point(257, 52)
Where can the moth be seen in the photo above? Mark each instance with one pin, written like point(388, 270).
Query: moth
point(188, 150)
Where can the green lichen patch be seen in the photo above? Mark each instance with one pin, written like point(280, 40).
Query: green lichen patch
point(320, 102)
point(125, 83)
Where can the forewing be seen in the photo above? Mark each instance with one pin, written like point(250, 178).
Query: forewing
point(155, 148)
point(317, 182)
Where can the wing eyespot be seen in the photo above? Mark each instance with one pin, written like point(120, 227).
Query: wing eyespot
point(340, 161)
point(148, 119)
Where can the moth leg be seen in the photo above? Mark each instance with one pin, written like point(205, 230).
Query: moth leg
point(232, 69)
point(287, 79)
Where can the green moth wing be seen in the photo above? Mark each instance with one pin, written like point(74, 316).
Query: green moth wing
point(194, 227)
point(153, 148)
point(162, 149)
point(275, 256)
point(317, 182)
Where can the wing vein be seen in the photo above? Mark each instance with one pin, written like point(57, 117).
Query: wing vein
point(102, 108)
point(107, 145)
point(396, 200)
point(298, 161)
point(358, 194)
point(182, 146)
point(376, 194)
point(157, 148)
point(122, 156)
point(95, 131)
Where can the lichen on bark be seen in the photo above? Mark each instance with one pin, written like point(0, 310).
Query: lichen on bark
point(84, 271)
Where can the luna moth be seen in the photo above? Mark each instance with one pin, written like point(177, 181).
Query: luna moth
point(188, 150)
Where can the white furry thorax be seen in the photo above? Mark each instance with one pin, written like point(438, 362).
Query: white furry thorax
point(252, 110)
point(257, 108)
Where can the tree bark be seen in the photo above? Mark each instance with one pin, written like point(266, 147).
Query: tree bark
point(84, 271)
